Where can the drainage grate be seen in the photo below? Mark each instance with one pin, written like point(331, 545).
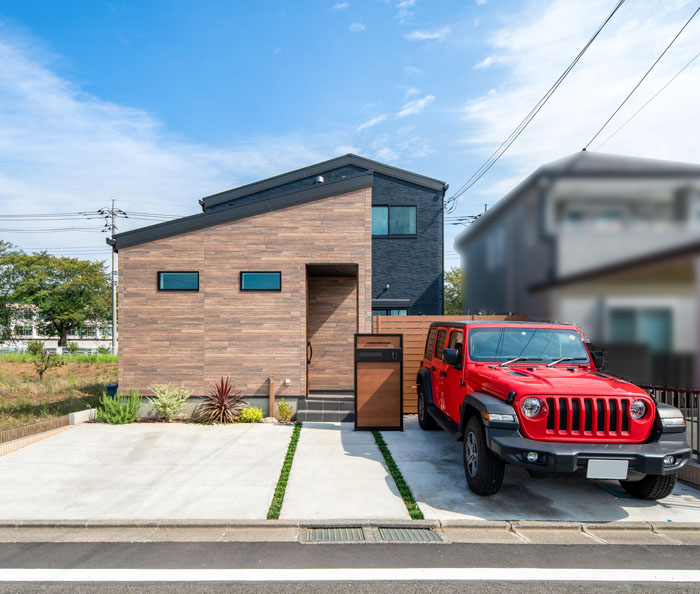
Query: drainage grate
point(409, 535)
point(352, 534)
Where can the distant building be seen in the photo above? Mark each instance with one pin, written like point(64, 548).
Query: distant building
point(604, 241)
point(25, 327)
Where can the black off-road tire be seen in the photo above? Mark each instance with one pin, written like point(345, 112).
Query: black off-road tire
point(482, 468)
point(652, 486)
point(426, 422)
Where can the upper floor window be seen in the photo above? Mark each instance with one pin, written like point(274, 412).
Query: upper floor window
point(393, 220)
point(178, 281)
point(261, 281)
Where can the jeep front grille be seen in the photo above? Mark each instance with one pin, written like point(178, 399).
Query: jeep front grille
point(572, 415)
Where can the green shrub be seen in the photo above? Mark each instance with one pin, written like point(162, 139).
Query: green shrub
point(285, 412)
point(35, 347)
point(169, 400)
point(104, 350)
point(72, 348)
point(222, 404)
point(251, 414)
point(119, 410)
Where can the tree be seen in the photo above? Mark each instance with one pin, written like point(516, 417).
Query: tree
point(7, 286)
point(453, 292)
point(68, 292)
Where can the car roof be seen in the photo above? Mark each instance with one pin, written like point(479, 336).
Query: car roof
point(498, 324)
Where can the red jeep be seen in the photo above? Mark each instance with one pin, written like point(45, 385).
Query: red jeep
point(529, 394)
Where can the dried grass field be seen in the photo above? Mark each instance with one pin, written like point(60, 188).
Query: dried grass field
point(74, 386)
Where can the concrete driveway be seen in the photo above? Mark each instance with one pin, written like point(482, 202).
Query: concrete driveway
point(145, 472)
point(431, 463)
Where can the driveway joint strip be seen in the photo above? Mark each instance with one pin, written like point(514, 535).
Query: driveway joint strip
point(278, 498)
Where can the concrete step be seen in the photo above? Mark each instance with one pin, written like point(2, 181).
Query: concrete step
point(327, 405)
point(325, 416)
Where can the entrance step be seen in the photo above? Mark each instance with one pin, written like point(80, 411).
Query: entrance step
point(344, 396)
point(326, 410)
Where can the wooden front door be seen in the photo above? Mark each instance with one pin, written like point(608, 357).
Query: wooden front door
point(331, 326)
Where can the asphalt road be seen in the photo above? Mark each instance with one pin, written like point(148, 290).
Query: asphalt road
point(359, 560)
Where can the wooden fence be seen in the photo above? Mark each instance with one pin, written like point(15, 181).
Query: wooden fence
point(415, 331)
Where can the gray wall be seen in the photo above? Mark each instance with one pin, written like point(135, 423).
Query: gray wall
point(412, 266)
point(502, 260)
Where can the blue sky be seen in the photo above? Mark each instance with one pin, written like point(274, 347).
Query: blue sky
point(157, 104)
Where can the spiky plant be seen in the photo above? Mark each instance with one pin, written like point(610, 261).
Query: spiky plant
point(223, 404)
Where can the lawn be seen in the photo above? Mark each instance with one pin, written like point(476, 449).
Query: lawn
point(74, 386)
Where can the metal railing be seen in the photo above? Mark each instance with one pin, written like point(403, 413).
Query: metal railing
point(687, 400)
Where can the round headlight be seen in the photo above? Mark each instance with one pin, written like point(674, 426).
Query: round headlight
point(638, 409)
point(531, 407)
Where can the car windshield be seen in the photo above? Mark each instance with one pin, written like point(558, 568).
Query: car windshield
point(533, 344)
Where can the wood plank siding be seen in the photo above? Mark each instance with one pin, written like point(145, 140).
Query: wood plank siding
point(194, 338)
point(332, 325)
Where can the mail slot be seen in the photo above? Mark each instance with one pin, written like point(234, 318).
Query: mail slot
point(378, 382)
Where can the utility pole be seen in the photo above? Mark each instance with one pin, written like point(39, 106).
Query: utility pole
point(110, 214)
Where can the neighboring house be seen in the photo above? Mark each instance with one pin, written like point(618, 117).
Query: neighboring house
point(276, 273)
point(575, 218)
point(25, 323)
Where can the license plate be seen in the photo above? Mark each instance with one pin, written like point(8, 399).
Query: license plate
point(607, 469)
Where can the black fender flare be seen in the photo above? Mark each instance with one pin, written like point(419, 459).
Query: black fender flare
point(476, 403)
point(423, 379)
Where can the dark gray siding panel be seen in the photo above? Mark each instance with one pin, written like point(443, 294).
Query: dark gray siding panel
point(412, 266)
point(300, 184)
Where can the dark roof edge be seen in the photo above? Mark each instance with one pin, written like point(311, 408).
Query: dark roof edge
point(623, 266)
point(233, 213)
point(310, 170)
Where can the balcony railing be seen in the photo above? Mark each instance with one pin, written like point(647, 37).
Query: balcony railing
point(685, 399)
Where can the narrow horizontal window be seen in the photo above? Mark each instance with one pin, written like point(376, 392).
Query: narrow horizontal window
point(261, 281)
point(178, 281)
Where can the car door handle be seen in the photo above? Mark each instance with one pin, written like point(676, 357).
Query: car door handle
point(432, 368)
point(443, 374)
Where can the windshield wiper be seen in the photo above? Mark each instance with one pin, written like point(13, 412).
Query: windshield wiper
point(506, 363)
point(567, 359)
point(553, 363)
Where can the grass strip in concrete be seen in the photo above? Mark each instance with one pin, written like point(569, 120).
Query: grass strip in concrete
point(278, 498)
point(413, 510)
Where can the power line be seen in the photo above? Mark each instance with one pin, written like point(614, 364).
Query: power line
point(636, 113)
point(641, 80)
point(496, 155)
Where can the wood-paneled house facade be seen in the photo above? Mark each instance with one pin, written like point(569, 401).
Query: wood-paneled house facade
point(274, 278)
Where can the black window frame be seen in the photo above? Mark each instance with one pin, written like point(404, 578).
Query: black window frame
point(430, 343)
point(240, 281)
point(440, 344)
point(160, 272)
point(388, 220)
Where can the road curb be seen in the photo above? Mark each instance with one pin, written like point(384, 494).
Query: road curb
point(486, 525)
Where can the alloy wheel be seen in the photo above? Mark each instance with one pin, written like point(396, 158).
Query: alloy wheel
point(472, 454)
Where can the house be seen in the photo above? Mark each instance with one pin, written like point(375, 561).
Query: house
point(561, 246)
point(26, 326)
point(274, 278)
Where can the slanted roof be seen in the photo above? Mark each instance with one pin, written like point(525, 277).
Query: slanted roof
point(319, 169)
point(584, 165)
point(241, 211)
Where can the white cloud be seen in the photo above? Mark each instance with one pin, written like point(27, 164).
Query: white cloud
point(403, 13)
point(372, 122)
point(438, 35)
point(537, 44)
point(341, 6)
point(488, 62)
point(63, 150)
point(416, 106)
point(357, 27)
point(413, 71)
point(480, 2)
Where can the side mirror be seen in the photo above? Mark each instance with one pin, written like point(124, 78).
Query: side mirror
point(451, 357)
point(598, 359)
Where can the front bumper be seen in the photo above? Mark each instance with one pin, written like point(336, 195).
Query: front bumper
point(558, 457)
